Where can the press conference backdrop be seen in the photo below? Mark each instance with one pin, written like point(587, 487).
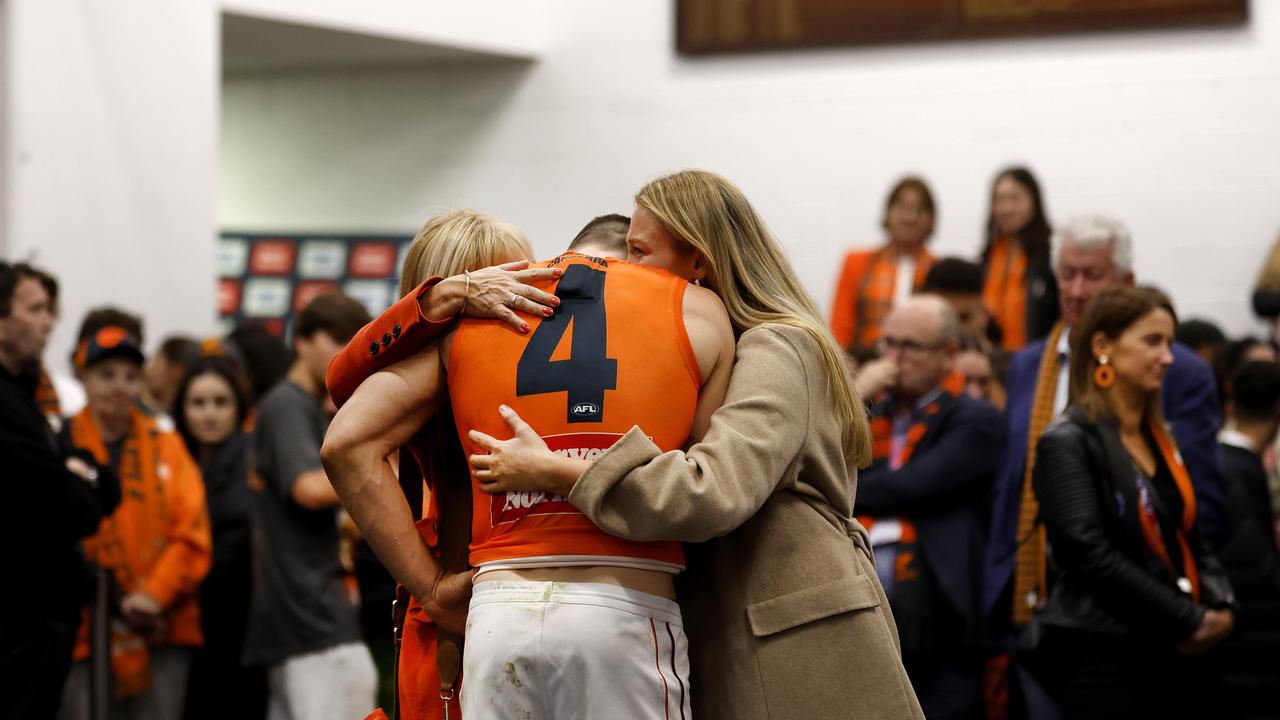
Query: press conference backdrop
point(270, 277)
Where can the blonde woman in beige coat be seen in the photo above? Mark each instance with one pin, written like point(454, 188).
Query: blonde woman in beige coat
point(784, 614)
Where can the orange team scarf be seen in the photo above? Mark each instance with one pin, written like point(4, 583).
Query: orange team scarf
point(1030, 584)
point(132, 538)
point(906, 567)
point(876, 290)
point(1151, 525)
point(1005, 291)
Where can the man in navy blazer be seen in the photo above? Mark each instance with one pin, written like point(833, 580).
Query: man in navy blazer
point(926, 497)
point(1095, 252)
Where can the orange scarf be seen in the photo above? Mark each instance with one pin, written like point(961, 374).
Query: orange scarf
point(865, 292)
point(1151, 525)
point(905, 566)
point(129, 541)
point(1030, 586)
point(1005, 291)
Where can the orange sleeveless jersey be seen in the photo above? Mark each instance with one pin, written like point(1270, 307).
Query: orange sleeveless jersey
point(615, 354)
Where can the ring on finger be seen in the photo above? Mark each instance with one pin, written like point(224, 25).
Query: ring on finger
point(511, 301)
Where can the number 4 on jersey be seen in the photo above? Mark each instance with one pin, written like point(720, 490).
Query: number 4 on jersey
point(587, 373)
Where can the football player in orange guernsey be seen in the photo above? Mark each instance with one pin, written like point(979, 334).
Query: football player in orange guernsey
point(565, 621)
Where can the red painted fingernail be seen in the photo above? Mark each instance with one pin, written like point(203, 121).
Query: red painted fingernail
point(558, 272)
point(524, 327)
point(546, 311)
point(555, 302)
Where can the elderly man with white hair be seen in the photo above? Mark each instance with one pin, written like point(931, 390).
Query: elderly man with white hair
point(1093, 252)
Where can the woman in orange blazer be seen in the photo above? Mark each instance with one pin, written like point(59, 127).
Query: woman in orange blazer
point(457, 244)
point(872, 282)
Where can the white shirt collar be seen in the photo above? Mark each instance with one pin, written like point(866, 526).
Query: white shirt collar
point(1235, 438)
point(1064, 342)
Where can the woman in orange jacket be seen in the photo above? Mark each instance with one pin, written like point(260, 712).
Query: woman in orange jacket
point(156, 546)
point(450, 244)
point(873, 281)
point(1020, 288)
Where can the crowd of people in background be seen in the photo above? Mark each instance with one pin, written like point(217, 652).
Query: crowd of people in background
point(1071, 499)
point(1101, 539)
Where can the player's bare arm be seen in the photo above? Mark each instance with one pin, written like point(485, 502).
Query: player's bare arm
point(381, 416)
point(524, 463)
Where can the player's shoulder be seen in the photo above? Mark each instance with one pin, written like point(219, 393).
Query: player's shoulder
point(704, 303)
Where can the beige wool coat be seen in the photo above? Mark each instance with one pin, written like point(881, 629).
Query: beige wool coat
point(783, 611)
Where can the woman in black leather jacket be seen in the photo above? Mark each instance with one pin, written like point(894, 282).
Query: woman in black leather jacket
point(1136, 595)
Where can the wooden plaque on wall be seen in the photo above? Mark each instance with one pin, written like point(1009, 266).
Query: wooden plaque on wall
point(723, 26)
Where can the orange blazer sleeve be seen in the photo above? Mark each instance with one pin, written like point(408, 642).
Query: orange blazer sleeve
point(397, 333)
point(844, 309)
point(188, 551)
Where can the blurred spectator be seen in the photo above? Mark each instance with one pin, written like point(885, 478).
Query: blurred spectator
point(1251, 682)
point(155, 546)
point(166, 370)
point(959, 282)
point(1136, 592)
point(1204, 338)
point(210, 405)
point(1235, 355)
point(873, 282)
point(1020, 288)
point(52, 499)
point(923, 503)
point(303, 624)
point(1266, 292)
point(1094, 253)
point(1246, 350)
point(264, 356)
point(974, 366)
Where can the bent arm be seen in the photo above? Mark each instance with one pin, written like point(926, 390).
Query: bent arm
point(844, 308)
point(188, 551)
point(638, 492)
point(380, 416)
point(1069, 506)
point(406, 328)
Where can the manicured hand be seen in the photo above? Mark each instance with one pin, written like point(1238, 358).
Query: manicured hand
point(494, 292)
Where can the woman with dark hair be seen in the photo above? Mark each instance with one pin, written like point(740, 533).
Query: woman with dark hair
point(209, 411)
point(873, 281)
point(1020, 289)
point(1136, 593)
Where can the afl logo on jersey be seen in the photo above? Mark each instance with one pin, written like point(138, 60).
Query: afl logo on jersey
point(585, 409)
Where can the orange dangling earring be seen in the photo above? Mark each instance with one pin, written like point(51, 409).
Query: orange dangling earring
point(1105, 375)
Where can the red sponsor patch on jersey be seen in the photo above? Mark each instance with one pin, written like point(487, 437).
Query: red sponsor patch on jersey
point(512, 506)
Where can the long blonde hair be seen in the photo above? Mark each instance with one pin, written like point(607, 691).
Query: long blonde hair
point(751, 275)
point(457, 240)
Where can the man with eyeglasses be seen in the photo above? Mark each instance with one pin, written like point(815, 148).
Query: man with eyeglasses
point(1094, 252)
point(923, 500)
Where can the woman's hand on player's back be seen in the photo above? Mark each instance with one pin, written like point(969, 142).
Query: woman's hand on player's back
point(522, 463)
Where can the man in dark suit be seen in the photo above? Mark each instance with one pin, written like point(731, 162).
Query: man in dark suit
point(1094, 252)
point(1250, 677)
point(925, 500)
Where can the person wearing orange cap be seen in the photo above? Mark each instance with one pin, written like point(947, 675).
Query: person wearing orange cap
point(156, 546)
